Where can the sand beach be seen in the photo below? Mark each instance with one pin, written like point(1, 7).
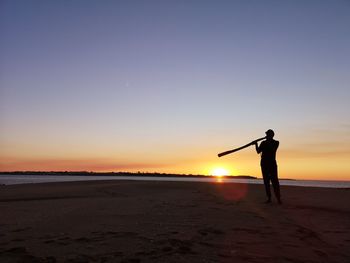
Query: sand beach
point(138, 221)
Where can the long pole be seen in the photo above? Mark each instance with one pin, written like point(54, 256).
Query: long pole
point(240, 148)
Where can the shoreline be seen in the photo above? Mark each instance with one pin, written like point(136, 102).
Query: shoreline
point(11, 179)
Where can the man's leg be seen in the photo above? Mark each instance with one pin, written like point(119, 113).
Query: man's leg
point(275, 183)
point(266, 178)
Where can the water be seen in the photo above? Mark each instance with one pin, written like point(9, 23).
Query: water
point(6, 179)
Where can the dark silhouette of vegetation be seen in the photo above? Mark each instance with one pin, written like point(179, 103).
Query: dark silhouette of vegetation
point(148, 174)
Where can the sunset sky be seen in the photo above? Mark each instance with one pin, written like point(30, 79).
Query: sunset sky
point(164, 86)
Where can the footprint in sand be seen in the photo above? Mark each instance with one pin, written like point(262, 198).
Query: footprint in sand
point(64, 241)
point(82, 239)
point(321, 253)
point(20, 254)
point(131, 260)
point(210, 230)
point(17, 240)
point(21, 229)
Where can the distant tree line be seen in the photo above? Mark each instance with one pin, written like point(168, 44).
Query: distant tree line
point(87, 173)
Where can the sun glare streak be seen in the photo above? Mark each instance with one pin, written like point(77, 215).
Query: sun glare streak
point(218, 179)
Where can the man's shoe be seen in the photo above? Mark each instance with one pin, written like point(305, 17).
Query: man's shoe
point(267, 201)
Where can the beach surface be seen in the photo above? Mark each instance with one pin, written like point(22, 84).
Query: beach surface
point(139, 221)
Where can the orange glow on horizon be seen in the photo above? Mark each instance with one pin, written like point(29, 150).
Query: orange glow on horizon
point(303, 167)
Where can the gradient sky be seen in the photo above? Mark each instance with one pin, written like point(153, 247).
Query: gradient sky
point(166, 85)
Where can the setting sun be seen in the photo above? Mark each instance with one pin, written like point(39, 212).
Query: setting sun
point(219, 171)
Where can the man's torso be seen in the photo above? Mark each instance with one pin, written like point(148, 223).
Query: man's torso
point(268, 152)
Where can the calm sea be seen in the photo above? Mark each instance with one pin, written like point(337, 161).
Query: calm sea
point(30, 179)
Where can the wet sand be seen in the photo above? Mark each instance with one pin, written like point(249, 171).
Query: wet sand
point(137, 221)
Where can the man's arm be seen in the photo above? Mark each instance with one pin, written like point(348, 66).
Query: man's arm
point(257, 148)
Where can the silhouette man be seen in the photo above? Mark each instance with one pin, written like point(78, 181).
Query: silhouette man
point(268, 149)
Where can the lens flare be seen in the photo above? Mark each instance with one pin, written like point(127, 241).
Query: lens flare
point(232, 191)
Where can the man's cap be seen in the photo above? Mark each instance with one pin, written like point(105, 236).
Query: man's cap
point(270, 132)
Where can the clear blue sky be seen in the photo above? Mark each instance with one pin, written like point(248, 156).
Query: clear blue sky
point(155, 83)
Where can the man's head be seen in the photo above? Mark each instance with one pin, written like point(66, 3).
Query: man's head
point(269, 134)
